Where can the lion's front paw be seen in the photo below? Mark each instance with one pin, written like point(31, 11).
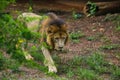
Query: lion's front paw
point(28, 56)
point(52, 69)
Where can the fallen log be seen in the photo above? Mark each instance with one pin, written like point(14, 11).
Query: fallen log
point(82, 7)
point(102, 8)
point(79, 6)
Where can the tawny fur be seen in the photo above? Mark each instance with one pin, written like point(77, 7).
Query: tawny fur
point(52, 25)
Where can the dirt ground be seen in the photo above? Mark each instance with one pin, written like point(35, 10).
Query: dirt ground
point(103, 31)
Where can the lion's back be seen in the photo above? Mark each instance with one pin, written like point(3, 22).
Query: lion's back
point(31, 20)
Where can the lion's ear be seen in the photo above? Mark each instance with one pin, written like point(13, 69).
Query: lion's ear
point(64, 27)
point(49, 30)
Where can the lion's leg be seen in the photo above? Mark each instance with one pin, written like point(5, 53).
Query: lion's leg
point(48, 60)
point(26, 54)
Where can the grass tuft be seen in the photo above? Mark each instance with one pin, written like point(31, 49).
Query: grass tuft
point(75, 36)
point(110, 47)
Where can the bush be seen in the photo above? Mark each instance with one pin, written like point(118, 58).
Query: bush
point(10, 33)
point(4, 3)
point(92, 8)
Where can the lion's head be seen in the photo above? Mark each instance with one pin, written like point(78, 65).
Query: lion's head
point(57, 35)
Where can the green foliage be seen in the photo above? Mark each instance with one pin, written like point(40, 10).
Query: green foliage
point(6, 63)
point(7, 76)
point(110, 47)
point(4, 3)
point(9, 32)
point(106, 40)
point(60, 78)
point(70, 73)
point(114, 18)
point(110, 17)
point(14, 36)
point(33, 64)
point(84, 74)
point(18, 55)
point(91, 38)
point(30, 9)
point(97, 62)
point(75, 36)
point(89, 67)
point(92, 8)
point(116, 73)
point(13, 65)
point(77, 61)
point(117, 55)
point(36, 54)
point(56, 58)
point(80, 71)
point(2, 61)
point(30, 6)
point(76, 15)
point(118, 26)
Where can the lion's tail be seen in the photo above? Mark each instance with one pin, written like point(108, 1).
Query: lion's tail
point(52, 15)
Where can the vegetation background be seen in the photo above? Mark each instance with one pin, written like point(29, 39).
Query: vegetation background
point(86, 63)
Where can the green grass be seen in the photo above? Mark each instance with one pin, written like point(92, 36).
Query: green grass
point(116, 73)
point(35, 65)
point(97, 37)
point(75, 36)
point(96, 62)
point(106, 40)
point(117, 55)
point(77, 67)
point(6, 63)
point(110, 47)
point(18, 55)
point(110, 17)
point(92, 8)
point(38, 59)
point(115, 19)
point(85, 74)
point(81, 70)
point(89, 68)
point(118, 26)
point(8, 77)
point(91, 38)
point(36, 54)
point(76, 15)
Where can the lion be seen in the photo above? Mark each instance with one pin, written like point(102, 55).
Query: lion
point(53, 32)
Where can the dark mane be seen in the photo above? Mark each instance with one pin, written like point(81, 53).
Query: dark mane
point(57, 22)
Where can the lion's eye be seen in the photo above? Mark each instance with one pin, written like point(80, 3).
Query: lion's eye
point(49, 31)
point(63, 37)
point(56, 38)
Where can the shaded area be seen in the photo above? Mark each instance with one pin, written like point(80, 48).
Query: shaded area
point(104, 7)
